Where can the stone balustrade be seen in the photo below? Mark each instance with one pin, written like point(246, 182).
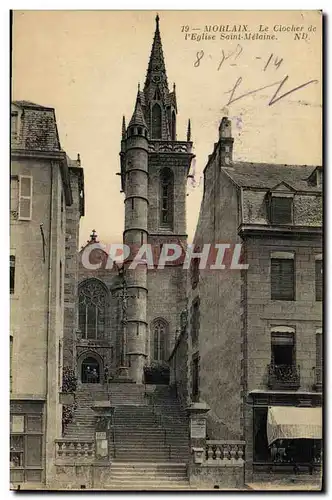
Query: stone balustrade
point(170, 147)
point(224, 453)
point(74, 450)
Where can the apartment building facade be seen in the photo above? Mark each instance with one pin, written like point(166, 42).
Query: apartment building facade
point(253, 335)
point(40, 197)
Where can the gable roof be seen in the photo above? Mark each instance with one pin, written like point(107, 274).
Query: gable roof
point(29, 104)
point(269, 175)
point(282, 186)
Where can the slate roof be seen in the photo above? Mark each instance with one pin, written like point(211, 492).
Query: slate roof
point(29, 104)
point(37, 128)
point(138, 116)
point(269, 175)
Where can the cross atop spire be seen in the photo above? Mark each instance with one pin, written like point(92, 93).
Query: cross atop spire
point(93, 237)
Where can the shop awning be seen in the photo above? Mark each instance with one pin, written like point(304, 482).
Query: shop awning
point(289, 422)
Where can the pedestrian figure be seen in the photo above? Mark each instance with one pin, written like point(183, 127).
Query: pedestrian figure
point(106, 374)
point(94, 375)
point(88, 374)
point(274, 451)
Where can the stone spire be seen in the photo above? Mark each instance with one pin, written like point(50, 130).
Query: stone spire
point(138, 115)
point(156, 73)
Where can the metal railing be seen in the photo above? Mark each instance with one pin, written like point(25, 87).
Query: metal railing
point(283, 376)
point(164, 421)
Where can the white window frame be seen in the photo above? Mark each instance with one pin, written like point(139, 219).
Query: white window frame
point(21, 197)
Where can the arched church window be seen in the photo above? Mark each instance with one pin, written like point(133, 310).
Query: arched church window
point(92, 300)
point(173, 126)
point(159, 328)
point(156, 121)
point(166, 196)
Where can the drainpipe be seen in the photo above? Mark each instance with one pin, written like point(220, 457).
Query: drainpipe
point(48, 313)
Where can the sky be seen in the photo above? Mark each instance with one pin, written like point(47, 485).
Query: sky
point(87, 64)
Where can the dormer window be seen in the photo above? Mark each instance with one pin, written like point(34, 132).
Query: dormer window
point(281, 210)
point(14, 123)
point(316, 178)
point(280, 204)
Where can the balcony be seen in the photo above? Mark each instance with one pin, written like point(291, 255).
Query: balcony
point(318, 384)
point(283, 377)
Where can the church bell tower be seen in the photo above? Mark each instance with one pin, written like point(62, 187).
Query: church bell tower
point(154, 171)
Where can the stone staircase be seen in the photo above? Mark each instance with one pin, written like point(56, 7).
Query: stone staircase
point(150, 438)
point(127, 394)
point(140, 436)
point(145, 476)
point(83, 424)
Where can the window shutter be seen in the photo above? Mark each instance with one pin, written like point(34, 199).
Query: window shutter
point(281, 210)
point(12, 274)
point(319, 279)
point(282, 279)
point(25, 197)
point(282, 338)
point(14, 195)
point(319, 357)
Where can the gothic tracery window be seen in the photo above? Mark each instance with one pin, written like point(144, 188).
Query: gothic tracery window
point(156, 122)
point(166, 197)
point(173, 126)
point(159, 328)
point(93, 299)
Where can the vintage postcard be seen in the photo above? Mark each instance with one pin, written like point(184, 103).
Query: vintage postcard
point(166, 258)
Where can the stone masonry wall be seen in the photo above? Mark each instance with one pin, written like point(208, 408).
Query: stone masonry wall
point(304, 314)
point(219, 344)
point(71, 274)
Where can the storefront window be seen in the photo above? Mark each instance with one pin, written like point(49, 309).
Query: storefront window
point(293, 452)
point(26, 448)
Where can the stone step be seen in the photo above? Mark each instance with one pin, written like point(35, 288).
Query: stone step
point(142, 467)
point(147, 458)
point(148, 485)
point(166, 476)
point(142, 433)
point(133, 478)
point(150, 457)
point(150, 442)
point(132, 451)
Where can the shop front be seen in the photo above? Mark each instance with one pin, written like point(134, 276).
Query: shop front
point(286, 434)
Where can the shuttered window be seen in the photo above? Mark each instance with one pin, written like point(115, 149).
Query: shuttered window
point(195, 377)
point(195, 321)
point(25, 197)
point(282, 279)
point(14, 124)
point(14, 194)
point(12, 274)
point(319, 279)
point(281, 210)
point(282, 348)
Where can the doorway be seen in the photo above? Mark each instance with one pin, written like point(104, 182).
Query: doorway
point(90, 371)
